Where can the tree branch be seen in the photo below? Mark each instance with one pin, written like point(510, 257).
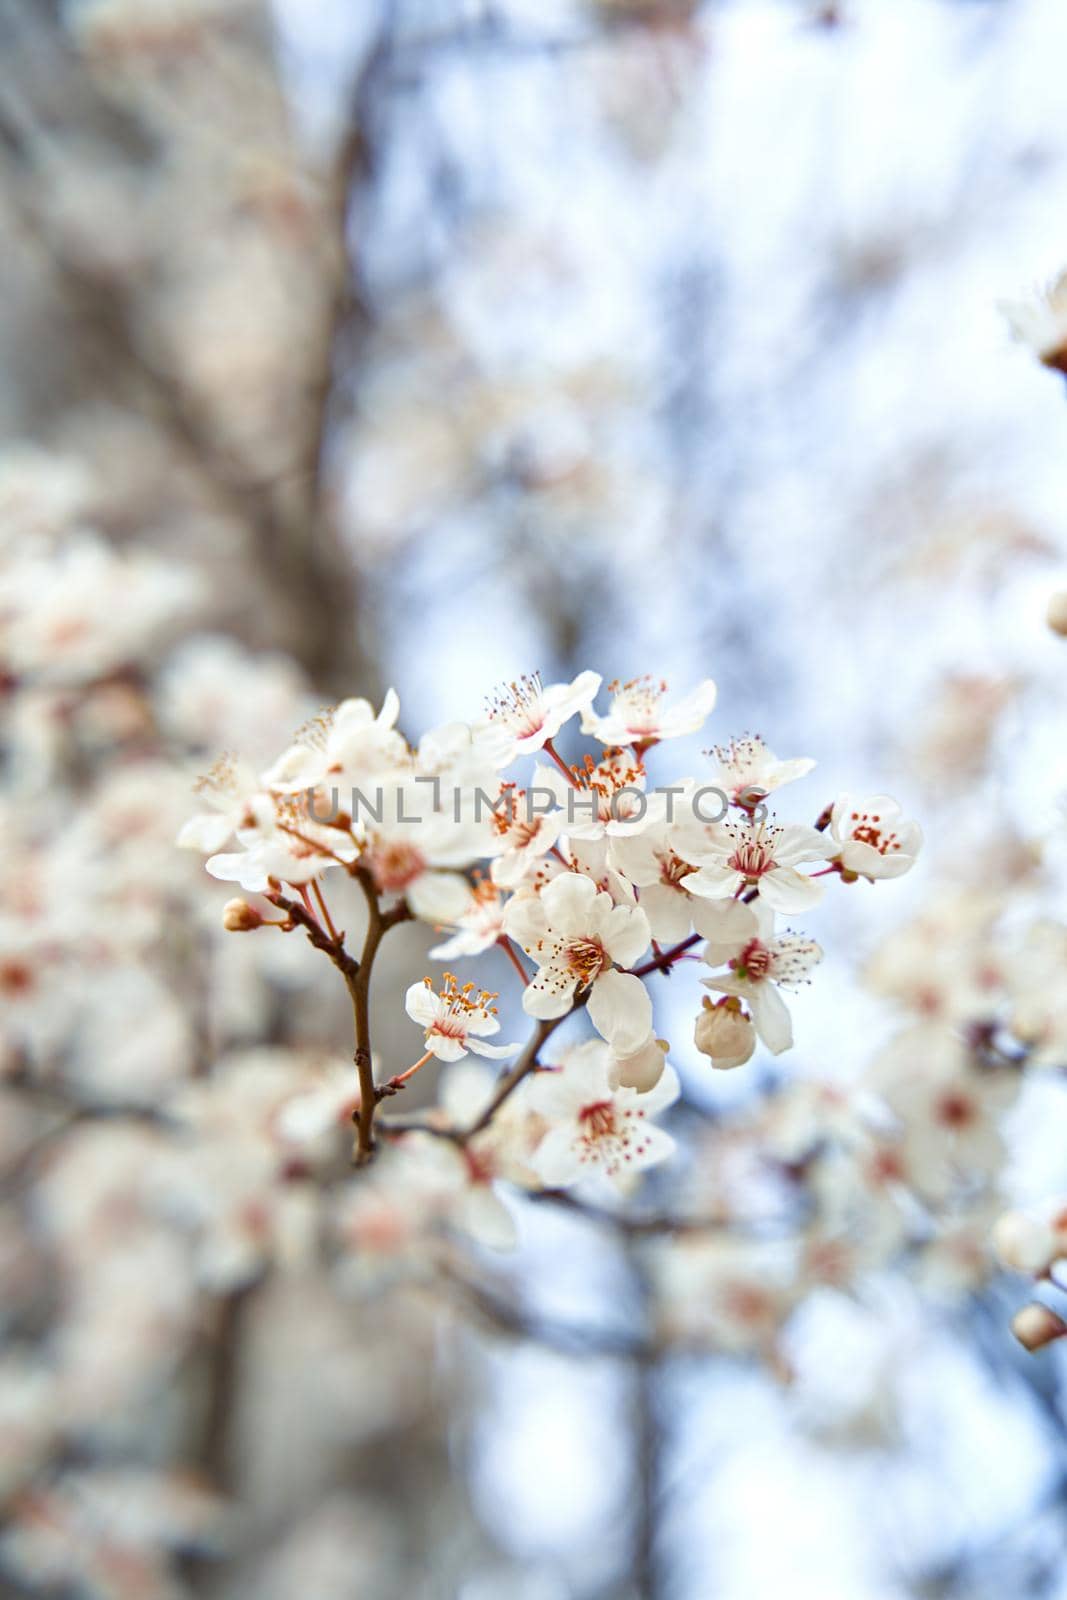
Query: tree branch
point(357, 976)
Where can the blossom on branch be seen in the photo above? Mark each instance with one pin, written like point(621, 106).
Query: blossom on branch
point(576, 934)
point(735, 857)
point(746, 770)
point(455, 1019)
point(532, 714)
point(759, 964)
point(873, 839)
point(593, 1126)
point(639, 717)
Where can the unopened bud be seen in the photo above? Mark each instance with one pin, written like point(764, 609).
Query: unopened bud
point(239, 917)
point(1025, 1243)
point(1036, 1326)
point(642, 1070)
point(725, 1033)
point(1057, 613)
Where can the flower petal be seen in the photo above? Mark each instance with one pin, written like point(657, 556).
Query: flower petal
point(422, 1005)
point(771, 1016)
point(620, 1009)
point(786, 889)
point(550, 993)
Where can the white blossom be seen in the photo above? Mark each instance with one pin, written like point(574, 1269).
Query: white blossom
point(341, 747)
point(576, 934)
point(1040, 320)
point(759, 964)
point(602, 799)
point(238, 802)
point(524, 834)
point(736, 856)
point(639, 717)
point(532, 715)
point(456, 1019)
point(725, 1032)
point(872, 839)
point(594, 1127)
point(477, 927)
point(746, 770)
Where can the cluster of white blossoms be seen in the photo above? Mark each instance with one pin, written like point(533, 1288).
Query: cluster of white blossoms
point(592, 880)
point(153, 1167)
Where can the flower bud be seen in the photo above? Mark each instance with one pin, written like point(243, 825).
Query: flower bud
point(1024, 1243)
point(725, 1033)
point(1057, 613)
point(1036, 1326)
point(239, 917)
point(642, 1070)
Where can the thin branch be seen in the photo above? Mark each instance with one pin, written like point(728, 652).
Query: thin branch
point(357, 976)
point(300, 917)
point(666, 959)
point(378, 925)
point(526, 1063)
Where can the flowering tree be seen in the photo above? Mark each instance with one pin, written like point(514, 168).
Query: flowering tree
point(587, 872)
point(474, 338)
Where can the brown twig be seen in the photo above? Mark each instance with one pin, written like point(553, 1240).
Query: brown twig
point(300, 917)
point(357, 976)
point(526, 1063)
point(666, 958)
point(378, 925)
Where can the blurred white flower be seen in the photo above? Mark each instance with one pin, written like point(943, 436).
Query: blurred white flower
point(1032, 1241)
point(1040, 321)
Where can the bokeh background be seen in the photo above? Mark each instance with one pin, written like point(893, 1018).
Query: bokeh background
point(427, 342)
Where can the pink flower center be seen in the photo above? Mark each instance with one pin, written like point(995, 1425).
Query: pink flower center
point(598, 1119)
point(746, 1303)
point(15, 977)
point(517, 830)
point(754, 962)
point(395, 866)
point(752, 859)
point(451, 1026)
point(461, 1010)
point(886, 1166)
point(637, 704)
point(480, 1167)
